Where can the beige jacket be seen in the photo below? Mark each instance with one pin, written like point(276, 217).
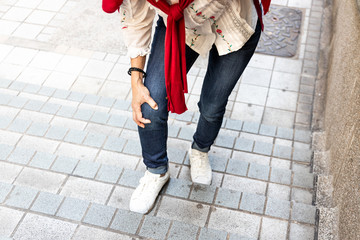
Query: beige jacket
point(226, 23)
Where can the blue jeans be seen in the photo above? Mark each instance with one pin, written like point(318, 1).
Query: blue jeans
point(222, 74)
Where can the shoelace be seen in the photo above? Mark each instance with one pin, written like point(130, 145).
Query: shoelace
point(200, 164)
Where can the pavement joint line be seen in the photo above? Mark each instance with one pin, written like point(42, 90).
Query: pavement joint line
point(268, 180)
point(115, 101)
point(162, 194)
point(90, 132)
point(28, 210)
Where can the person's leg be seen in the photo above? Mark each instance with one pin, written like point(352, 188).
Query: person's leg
point(153, 137)
point(222, 74)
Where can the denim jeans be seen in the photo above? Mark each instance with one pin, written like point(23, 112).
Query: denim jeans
point(222, 74)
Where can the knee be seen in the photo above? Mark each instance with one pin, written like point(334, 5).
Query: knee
point(212, 112)
point(158, 117)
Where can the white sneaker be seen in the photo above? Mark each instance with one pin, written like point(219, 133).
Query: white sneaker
point(200, 167)
point(144, 196)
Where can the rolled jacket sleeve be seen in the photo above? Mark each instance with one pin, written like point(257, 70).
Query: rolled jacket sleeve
point(137, 17)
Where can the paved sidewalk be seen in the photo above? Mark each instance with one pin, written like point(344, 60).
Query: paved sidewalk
point(69, 151)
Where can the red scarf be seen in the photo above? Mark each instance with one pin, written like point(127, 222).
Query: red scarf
point(175, 59)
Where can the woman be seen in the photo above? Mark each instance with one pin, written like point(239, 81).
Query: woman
point(226, 30)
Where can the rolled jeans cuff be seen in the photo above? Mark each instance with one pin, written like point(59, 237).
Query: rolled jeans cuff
point(158, 170)
point(195, 146)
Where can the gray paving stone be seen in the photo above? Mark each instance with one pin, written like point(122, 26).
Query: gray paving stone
point(218, 163)
point(154, 227)
point(5, 121)
point(83, 114)
point(259, 171)
point(18, 102)
point(75, 136)
point(5, 99)
point(56, 132)
point(34, 105)
point(252, 202)
point(228, 198)
point(186, 116)
point(303, 179)
point(76, 96)
point(238, 237)
point(50, 108)
point(19, 86)
point(121, 104)
point(38, 129)
point(303, 213)
point(115, 144)
point(46, 91)
point(21, 155)
point(273, 229)
point(186, 133)
point(60, 93)
point(99, 215)
point(267, 130)
point(302, 136)
point(280, 176)
point(176, 155)
point(5, 150)
point(41, 227)
point(303, 155)
point(86, 169)
point(5, 188)
point(95, 140)
point(203, 193)
point(73, 209)
point(47, 203)
point(100, 117)
point(131, 125)
point(106, 101)
point(126, 221)
point(181, 231)
point(173, 131)
point(263, 148)
point(301, 195)
point(301, 232)
point(244, 144)
point(282, 151)
point(109, 174)
point(21, 197)
point(225, 141)
point(130, 178)
point(19, 125)
point(251, 127)
point(132, 147)
point(5, 238)
point(117, 121)
point(91, 99)
point(42, 160)
point(178, 187)
point(5, 83)
point(286, 133)
point(66, 111)
point(278, 208)
point(211, 234)
point(64, 164)
point(234, 124)
point(238, 167)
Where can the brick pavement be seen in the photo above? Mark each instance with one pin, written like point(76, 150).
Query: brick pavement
point(70, 156)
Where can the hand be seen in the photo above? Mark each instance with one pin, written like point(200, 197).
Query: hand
point(140, 95)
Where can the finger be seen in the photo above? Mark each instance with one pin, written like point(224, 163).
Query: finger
point(152, 103)
point(140, 118)
point(137, 122)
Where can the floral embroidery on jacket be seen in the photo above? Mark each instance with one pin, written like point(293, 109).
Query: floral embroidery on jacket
point(193, 40)
point(123, 19)
point(199, 14)
point(219, 32)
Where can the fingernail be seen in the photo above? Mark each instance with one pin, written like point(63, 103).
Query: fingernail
point(156, 107)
